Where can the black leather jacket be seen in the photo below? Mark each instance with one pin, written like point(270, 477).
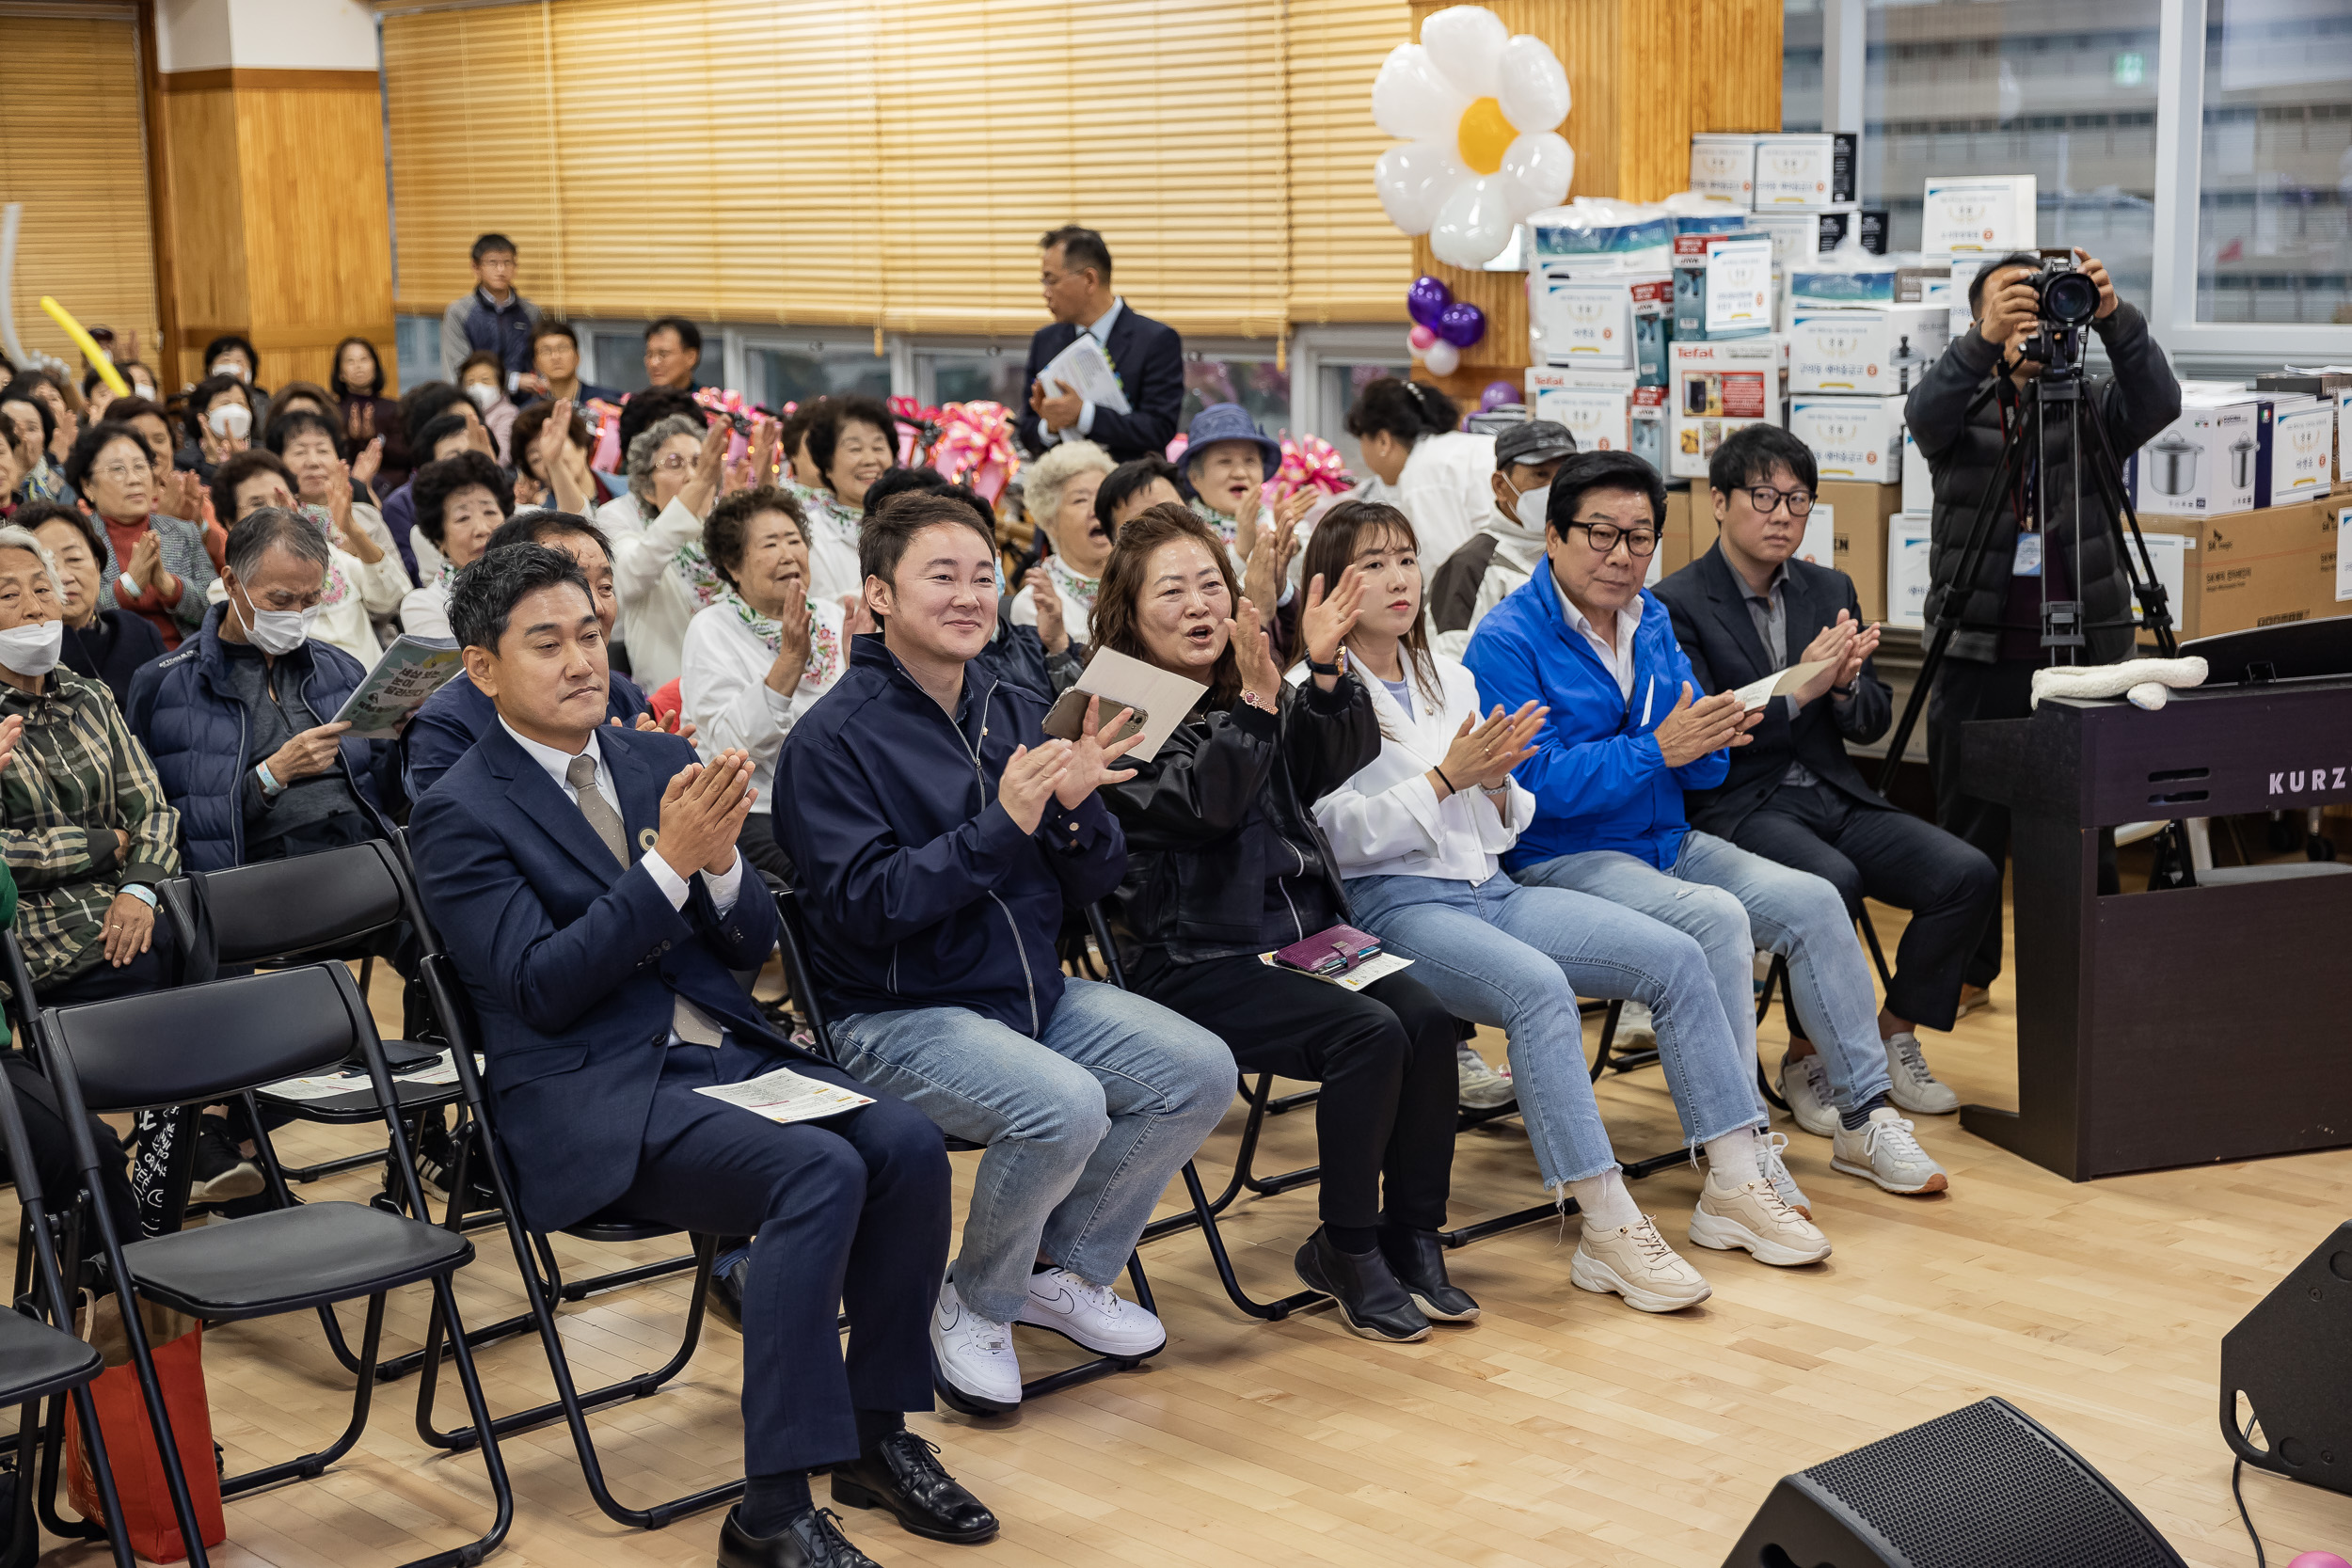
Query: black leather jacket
point(1196, 873)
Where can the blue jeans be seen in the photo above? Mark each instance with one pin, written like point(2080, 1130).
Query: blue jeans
point(1084, 1128)
point(1735, 902)
point(1517, 957)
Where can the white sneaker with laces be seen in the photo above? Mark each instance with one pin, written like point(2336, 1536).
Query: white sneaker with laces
point(974, 1356)
point(1911, 1086)
point(1751, 1217)
point(1636, 1029)
point(1094, 1316)
point(1804, 1083)
point(1776, 1170)
point(1883, 1151)
point(1479, 1086)
point(1635, 1262)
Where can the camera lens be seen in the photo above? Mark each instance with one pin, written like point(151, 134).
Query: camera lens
point(2070, 300)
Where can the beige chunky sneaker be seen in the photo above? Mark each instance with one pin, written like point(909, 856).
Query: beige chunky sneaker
point(1755, 1218)
point(1635, 1262)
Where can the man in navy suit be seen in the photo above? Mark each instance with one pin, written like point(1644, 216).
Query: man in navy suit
point(586, 882)
point(1075, 271)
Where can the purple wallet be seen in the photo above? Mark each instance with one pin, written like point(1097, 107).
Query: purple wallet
point(1328, 953)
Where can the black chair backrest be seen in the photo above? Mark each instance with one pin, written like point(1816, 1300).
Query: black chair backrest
point(198, 1044)
point(798, 974)
point(274, 910)
point(24, 1002)
point(1105, 944)
point(402, 853)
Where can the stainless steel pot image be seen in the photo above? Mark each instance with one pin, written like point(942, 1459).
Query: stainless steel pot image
point(2172, 465)
point(2242, 462)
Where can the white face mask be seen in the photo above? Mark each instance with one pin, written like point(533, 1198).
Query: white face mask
point(1531, 505)
point(230, 418)
point(483, 396)
point(32, 650)
point(276, 632)
point(231, 367)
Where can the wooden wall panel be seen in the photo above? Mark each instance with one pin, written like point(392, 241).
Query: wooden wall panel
point(206, 201)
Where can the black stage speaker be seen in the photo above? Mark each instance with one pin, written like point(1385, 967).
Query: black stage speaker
point(2291, 1358)
point(1984, 1487)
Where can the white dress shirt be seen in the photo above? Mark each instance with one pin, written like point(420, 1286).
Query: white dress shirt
point(1100, 330)
point(723, 888)
point(724, 693)
point(1388, 821)
point(1617, 658)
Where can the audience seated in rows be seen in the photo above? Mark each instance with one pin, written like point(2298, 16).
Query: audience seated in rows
point(483, 378)
point(366, 415)
point(555, 368)
point(1626, 737)
point(241, 721)
point(30, 428)
point(423, 411)
point(936, 838)
point(1057, 593)
point(551, 452)
point(460, 502)
point(1226, 468)
point(155, 565)
point(220, 413)
point(1226, 862)
point(676, 470)
point(101, 642)
point(852, 442)
point(361, 590)
point(1509, 545)
point(587, 882)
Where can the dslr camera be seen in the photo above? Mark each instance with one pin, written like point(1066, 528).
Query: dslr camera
point(2070, 300)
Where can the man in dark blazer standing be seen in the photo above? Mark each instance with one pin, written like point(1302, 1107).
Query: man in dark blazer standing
point(586, 882)
point(1747, 609)
point(1149, 357)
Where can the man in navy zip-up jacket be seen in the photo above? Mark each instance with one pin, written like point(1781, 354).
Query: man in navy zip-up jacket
point(938, 838)
point(1626, 738)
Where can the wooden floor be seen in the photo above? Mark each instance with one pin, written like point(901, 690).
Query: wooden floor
point(1563, 1429)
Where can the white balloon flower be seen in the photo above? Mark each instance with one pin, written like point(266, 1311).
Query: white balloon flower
point(1478, 111)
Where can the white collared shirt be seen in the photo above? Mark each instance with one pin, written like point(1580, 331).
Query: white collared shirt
point(1100, 330)
point(723, 888)
point(1618, 660)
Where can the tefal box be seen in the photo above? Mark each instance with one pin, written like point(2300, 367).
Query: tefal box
point(1852, 439)
point(1713, 387)
point(1724, 165)
point(1723, 285)
point(1811, 169)
point(1605, 410)
point(1873, 350)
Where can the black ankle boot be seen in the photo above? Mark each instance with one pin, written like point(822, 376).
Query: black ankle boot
point(1373, 1303)
point(1417, 1258)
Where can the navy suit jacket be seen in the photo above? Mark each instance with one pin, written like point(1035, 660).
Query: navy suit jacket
point(456, 716)
point(572, 961)
point(1149, 359)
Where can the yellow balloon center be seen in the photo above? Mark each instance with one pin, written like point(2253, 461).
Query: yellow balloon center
point(1483, 135)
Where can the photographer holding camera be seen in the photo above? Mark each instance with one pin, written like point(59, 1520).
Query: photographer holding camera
point(1988, 669)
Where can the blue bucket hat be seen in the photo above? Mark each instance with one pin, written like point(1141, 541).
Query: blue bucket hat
point(1228, 421)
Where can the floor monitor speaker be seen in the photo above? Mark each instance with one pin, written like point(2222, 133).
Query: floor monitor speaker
point(2291, 1358)
point(1986, 1486)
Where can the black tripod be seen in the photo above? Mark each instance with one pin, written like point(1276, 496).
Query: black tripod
point(2062, 385)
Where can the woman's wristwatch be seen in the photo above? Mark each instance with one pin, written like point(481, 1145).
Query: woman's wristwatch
point(1337, 667)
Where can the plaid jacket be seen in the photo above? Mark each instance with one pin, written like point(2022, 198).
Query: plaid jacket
point(78, 775)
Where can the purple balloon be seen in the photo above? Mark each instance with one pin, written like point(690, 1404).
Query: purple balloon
point(1427, 299)
point(1497, 394)
point(1461, 324)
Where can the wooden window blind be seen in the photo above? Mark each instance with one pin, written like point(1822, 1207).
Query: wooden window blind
point(80, 169)
point(1348, 263)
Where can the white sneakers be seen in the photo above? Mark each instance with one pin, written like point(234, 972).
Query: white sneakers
point(1804, 1083)
point(1911, 1086)
point(1753, 1218)
point(1094, 1316)
point(1776, 1170)
point(1480, 1087)
point(975, 1357)
point(1635, 1262)
point(1883, 1151)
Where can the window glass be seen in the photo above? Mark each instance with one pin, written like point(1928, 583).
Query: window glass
point(974, 376)
point(417, 349)
point(621, 358)
point(2275, 173)
point(797, 372)
point(1337, 395)
point(1801, 64)
point(1255, 384)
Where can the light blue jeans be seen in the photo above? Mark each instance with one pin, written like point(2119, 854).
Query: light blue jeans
point(1083, 1128)
point(1517, 957)
point(1735, 902)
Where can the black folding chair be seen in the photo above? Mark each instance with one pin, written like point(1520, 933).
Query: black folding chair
point(201, 1043)
point(454, 1010)
point(800, 979)
point(39, 1360)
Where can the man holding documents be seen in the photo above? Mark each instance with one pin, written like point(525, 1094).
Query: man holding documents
point(1101, 371)
point(938, 841)
point(584, 878)
point(241, 720)
point(1629, 734)
point(1749, 612)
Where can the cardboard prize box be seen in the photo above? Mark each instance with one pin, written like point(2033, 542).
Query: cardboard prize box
point(1723, 286)
point(2302, 452)
point(1806, 169)
point(2248, 569)
point(1846, 528)
point(1724, 165)
point(1714, 388)
point(1859, 438)
point(1871, 351)
point(1583, 317)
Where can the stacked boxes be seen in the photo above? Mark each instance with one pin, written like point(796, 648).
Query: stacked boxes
point(1713, 387)
point(1605, 410)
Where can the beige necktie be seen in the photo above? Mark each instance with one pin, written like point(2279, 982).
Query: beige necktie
point(692, 1026)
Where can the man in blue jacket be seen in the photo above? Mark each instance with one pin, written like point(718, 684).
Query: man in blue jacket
point(491, 315)
point(239, 719)
point(1625, 739)
point(937, 839)
point(584, 880)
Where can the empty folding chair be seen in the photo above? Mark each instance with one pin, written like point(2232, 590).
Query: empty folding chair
point(208, 1042)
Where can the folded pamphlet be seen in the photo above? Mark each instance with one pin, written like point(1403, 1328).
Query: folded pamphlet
point(1757, 692)
point(1087, 371)
point(411, 670)
point(1160, 698)
point(786, 1096)
point(1378, 968)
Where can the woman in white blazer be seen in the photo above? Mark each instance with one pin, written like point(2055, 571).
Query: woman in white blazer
point(1418, 835)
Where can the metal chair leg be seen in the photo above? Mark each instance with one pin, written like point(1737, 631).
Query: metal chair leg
point(1204, 1215)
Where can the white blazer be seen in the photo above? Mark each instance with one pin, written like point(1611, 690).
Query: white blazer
point(1388, 821)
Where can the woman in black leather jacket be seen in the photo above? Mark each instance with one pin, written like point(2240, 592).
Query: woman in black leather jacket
point(1225, 864)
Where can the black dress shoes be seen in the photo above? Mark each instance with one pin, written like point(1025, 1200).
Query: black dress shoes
point(724, 1300)
point(1373, 1303)
point(1417, 1258)
point(902, 1473)
point(812, 1541)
